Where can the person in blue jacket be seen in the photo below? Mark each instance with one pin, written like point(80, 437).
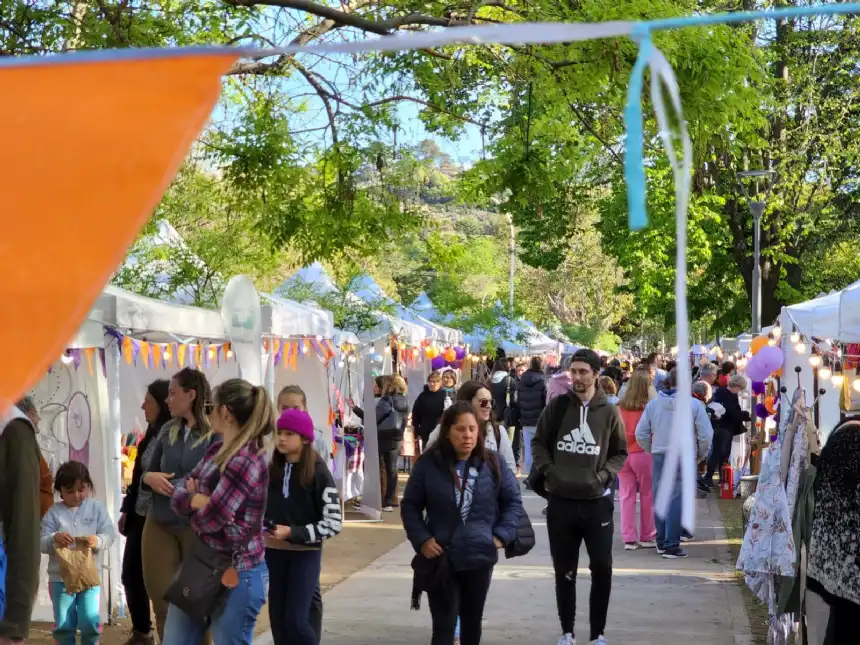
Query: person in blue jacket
point(460, 501)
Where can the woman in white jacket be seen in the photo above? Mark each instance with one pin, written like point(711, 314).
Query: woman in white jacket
point(495, 437)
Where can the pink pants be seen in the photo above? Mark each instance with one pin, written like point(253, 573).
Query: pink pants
point(637, 473)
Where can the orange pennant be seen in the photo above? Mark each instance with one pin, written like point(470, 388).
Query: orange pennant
point(156, 354)
point(89, 352)
point(121, 121)
point(180, 357)
point(198, 350)
point(294, 356)
point(169, 353)
point(276, 346)
point(127, 349)
point(144, 353)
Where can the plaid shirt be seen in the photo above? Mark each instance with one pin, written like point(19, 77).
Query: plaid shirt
point(232, 521)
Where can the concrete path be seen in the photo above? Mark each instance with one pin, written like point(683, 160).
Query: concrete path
point(654, 601)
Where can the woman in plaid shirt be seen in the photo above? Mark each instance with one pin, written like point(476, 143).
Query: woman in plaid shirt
point(225, 497)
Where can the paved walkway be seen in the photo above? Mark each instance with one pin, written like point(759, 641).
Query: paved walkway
point(654, 601)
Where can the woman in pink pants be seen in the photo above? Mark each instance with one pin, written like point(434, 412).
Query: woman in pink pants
point(637, 470)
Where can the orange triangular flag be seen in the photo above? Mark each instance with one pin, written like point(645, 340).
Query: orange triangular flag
point(89, 352)
point(120, 121)
point(156, 354)
point(198, 349)
point(181, 355)
point(144, 353)
point(127, 349)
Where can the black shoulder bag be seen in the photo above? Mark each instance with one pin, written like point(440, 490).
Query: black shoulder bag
point(203, 582)
point(432, 574)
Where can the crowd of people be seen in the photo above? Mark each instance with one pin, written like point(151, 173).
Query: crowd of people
point(204, 493)
point(215, 525)
point(583, 433)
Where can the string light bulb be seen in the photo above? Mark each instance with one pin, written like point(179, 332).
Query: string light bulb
point(825, 373)
point(800, 348)
point(795, 337)
point(340, 364)
point(838, 377)
point(229, 353)
point(815, 361)
point(856, 384)
point(776, 331)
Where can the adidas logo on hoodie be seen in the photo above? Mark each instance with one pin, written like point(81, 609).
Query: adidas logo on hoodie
point(579, 441)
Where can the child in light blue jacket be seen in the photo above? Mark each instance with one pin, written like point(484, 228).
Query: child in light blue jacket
point(76, 516)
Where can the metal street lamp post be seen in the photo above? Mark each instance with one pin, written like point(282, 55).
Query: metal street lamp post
point(756, 196)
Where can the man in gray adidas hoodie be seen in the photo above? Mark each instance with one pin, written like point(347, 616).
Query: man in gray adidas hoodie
point(578, 449)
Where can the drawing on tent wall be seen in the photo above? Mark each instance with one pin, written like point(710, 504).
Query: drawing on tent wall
point(78, 427)
point(66, 426)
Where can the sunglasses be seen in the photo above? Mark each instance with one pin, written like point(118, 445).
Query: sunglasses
point(485, 403)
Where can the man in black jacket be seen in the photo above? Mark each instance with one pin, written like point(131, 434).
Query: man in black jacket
point(726, 428)
point(428, 408)
point(578, 449)
point(531, 397)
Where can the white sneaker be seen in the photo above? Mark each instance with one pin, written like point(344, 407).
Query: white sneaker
point(648, 544)
point(630, 546)
point(600, 640)
point(567, 639)
point(388, 509)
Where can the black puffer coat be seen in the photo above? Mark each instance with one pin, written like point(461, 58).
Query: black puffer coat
point(531, 397)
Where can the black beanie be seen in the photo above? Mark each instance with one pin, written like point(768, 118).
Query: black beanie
point(587, 356)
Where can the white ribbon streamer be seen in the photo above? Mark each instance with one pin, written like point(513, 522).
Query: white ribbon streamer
point(682, 447)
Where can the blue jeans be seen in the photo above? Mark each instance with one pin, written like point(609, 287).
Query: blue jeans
point(528, 435)
point(295, 576)
point(235, 626)
point(668, 528)
point(74, 611)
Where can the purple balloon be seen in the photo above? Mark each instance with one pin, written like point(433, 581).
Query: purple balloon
point(457, 365)
point(758, 388)
point(756, 370)
point(460, 352)
point(770, 358)
point(761, 411)
point(438, 363)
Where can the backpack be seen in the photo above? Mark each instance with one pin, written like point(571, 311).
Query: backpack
point(536, 481)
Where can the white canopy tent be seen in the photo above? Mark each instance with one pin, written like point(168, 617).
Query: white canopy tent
point(830, 317)
point(90, 401)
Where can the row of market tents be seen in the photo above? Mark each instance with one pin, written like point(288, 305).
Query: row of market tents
point(90, 399)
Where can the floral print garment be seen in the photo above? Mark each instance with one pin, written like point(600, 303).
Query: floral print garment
point(768, 548)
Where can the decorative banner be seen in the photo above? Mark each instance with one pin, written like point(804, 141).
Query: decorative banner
point(180, 356)
point(240, 311)
point(75, 117)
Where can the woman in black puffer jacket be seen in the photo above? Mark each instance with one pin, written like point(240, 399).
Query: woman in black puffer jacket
point(531, 397)
point(461, 504)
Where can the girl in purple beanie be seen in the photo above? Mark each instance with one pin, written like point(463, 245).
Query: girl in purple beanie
point(303, 509)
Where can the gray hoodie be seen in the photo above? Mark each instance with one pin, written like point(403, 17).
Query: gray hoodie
point(90, 518)
point(654, 431)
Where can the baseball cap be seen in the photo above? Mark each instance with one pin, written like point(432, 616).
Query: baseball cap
point(587, 356)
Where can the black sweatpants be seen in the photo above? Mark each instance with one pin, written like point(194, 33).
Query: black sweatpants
point(569, 524)
point(390, 452)
point(317, 613)
point(132, 575)
point(293, 580)
point(721, 451)
point(465, 599)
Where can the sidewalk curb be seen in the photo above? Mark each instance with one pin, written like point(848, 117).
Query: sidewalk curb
point(737, 607)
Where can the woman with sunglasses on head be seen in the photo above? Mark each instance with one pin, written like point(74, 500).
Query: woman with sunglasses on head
point(495, 437)
point(224, 497)
point(178, 448)
point(460, 503)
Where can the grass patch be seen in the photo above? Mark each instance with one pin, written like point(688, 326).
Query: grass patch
point(732, 512)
